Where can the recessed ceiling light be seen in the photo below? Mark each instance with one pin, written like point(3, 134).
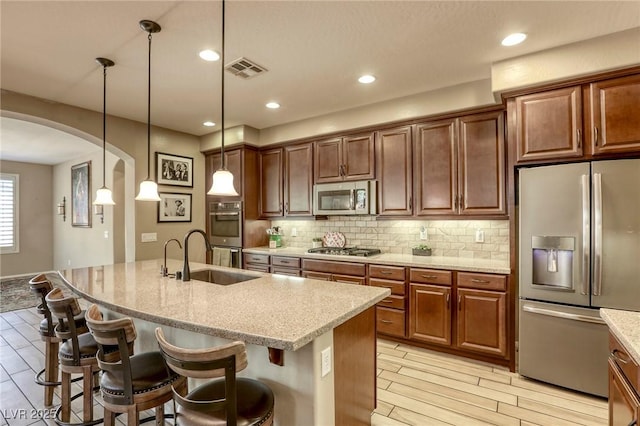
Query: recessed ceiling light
point(209, 55)
point(273, 105)
point(366, 79)
point(209, 123)
point(513, 39)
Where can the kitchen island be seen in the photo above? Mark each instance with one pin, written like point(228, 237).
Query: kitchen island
point(297, 319)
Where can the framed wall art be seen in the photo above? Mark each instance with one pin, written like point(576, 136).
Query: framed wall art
point(174, 207)
point(81, 195)
point(174, 170)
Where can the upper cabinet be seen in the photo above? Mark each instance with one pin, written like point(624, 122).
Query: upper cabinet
point(578, 122)
point(286, 186)
point(615, 115)
point(344, 158)
point(394, 170)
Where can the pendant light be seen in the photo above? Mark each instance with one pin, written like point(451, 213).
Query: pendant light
point(222, 179)
point(103, 195)
point(148, 187)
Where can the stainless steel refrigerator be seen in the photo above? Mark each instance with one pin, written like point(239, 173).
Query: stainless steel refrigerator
point(579, 250)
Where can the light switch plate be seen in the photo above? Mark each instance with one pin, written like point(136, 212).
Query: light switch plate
point(149, 237)
point(326, 361)
point(479, 236)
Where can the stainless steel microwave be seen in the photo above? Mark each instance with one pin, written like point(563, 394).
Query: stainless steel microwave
point(345, 198)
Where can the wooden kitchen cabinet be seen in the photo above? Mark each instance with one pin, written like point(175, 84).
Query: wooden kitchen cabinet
point(256, 262)
point(285, 265)
point(615, 115)
point(624, 382)
point(286, 181)
point(430, 293)
point(394, 171)
point(344, 158)
point(391, 311)
point(601, 118)
point(346, 272)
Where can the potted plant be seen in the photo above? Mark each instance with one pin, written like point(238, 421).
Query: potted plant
point(316, 242)
point(421, 250)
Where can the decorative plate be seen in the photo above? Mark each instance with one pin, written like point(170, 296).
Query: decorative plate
point(334, 239)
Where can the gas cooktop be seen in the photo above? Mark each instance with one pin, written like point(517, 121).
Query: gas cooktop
point(345, 251)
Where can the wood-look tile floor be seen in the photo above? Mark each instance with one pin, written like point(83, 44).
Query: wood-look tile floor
point(415, 387)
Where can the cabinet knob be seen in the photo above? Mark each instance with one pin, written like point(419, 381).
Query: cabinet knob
point(595, 135)
point(475, 280)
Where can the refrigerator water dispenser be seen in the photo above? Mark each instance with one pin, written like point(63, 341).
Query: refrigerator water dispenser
point(553, 262)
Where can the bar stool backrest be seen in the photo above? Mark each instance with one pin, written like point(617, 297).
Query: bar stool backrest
point(65, 309)
point(108, 333)
point(221, 361)
point(41, 286)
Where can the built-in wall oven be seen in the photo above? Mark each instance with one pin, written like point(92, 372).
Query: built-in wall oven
point(225, 228)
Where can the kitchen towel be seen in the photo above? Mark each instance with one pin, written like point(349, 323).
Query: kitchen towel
point(221, 256)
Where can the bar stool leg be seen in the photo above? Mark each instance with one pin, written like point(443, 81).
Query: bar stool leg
point(160, 415)
point(132, 416)
point(65, 413)
point(109, 417)
point(87, 391)
point(50, 368)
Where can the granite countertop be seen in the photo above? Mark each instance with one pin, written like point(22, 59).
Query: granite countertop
point(272, 310)
point(625, 325)
point(435, 262)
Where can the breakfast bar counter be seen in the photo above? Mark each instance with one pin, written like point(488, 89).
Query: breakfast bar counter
point(297, 318)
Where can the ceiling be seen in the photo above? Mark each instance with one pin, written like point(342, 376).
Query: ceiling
point(313, 51)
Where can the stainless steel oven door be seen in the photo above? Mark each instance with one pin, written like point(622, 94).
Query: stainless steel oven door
point(225, 224)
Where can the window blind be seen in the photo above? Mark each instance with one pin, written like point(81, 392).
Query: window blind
point(8, 212)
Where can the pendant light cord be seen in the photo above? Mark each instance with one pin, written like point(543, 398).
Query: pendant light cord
point(149, 115)
point(104, 123)
point(222, 90)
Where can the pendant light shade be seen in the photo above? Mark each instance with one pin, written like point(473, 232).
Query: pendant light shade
point(148, 187)
point(103, 195)
point(222, 184)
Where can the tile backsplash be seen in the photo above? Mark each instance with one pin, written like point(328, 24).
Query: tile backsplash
point(454, 238)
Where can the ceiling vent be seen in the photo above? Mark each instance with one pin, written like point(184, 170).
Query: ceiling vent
point(245, 68)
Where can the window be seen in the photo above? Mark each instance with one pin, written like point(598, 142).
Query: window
point(8, 213)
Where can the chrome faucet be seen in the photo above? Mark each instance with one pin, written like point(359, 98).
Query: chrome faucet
point(164, 270)
point(186, 273)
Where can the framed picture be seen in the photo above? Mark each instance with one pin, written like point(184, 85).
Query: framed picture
point(81, 195)
point(174, 170)
point(174, 207)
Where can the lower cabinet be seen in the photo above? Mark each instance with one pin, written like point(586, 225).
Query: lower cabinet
point(256, 262)
point(390, 311)
point(624, 382)
point(475, 320)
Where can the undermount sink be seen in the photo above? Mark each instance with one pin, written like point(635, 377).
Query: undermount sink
point(221, 277)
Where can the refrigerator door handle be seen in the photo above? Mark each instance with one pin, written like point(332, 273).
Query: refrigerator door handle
point(597, 234)
point(586, 233)
point(564, 315)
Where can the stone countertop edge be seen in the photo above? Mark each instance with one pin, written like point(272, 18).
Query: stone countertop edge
point(306, 336)
point(625, 325)
point(462, 264)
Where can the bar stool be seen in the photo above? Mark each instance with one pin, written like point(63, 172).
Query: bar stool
point(41, 285)
point(77, 355)
point(228, 401)
point(135, 382)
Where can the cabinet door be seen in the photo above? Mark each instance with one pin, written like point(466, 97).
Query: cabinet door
point(271, 183)
point(481, 164)
point(358, 156)
point(394, 171)
point(435, 168)
point(482, 322)
point(549, 125)
point(430, 313)
point(624, 406)
point(327, 160)
point(390, 321)
point(615, 115)
point(233, 163)
point(298, 180)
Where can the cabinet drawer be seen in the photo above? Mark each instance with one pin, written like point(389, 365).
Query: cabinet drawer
point(331, 267)
point(387, 272)
point(348, 279)
point(620, 356)
point(390, 321)
point(396, 287)
point(395, 302)
point(285, 271)
point(256, 258)
point(482, 281)
point(259, 268)
point(288, 262)
point(430, 276)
